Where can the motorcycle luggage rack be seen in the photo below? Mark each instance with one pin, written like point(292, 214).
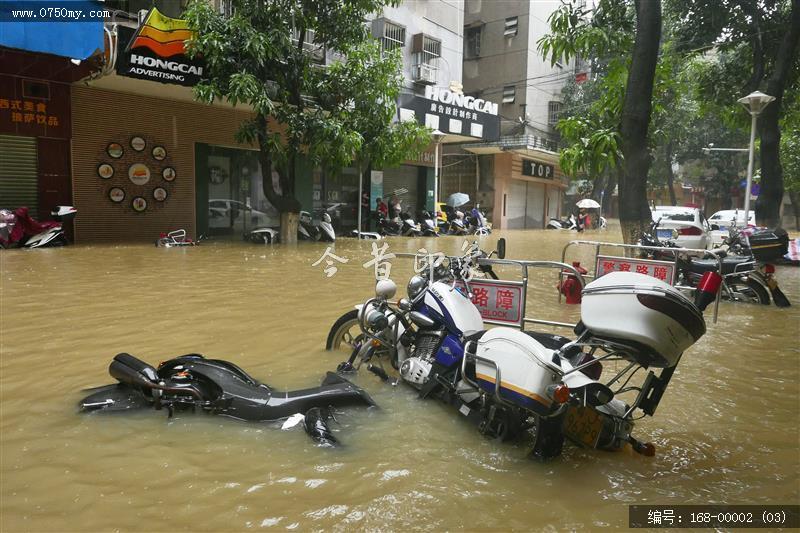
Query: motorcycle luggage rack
point(597, 245)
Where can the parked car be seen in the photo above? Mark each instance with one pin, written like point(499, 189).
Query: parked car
point(224, 213)
point(686, 226)
point(721, 221)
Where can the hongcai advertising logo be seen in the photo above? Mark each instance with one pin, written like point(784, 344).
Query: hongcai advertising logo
point(156, 52)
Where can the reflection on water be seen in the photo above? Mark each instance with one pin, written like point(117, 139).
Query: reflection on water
point(726, 430)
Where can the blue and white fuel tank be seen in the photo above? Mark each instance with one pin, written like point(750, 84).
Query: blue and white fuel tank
point(453, 308)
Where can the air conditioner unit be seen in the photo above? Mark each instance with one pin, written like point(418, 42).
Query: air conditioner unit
point(424, 73)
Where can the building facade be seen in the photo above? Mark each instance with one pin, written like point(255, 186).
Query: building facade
point(518, 178)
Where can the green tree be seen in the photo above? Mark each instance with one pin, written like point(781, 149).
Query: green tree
point(631, 31)
point(756, 42)
point(329, 116)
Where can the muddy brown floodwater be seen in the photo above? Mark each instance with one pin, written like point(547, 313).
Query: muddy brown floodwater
point(726, 431)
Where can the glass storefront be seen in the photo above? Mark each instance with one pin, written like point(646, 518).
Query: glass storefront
point(230, 196)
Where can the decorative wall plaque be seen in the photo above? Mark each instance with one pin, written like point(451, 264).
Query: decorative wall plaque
point(115, 150)
point(138, 143)
point(139, 173)
point(160, 194)
point(159, 153)
point(168, 173)
point(105, 171)
point(116, 195)
point(139, 204)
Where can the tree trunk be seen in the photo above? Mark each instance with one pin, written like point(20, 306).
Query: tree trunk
point(670, 175)
point(608, 197)
point(285, 203)
point(770, 197)
point(634, 212)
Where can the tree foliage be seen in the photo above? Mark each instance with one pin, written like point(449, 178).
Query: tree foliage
point(330, 115)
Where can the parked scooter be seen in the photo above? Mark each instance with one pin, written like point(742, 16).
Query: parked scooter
point(193, 383)
point(458, 225)
point(570, 223)
point(477, 223)
point(19, 230)
point(748, 275)
point(427, 224)
point(309, 229)
point(510, 382)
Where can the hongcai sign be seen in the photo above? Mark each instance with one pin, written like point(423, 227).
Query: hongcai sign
point(453, 113)
point(156, 52)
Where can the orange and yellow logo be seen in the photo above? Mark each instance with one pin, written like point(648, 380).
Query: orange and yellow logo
point(162, 35)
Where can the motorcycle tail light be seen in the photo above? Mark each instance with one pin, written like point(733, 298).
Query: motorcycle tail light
point(561, 394)
point(769, 269)
point(690, 230)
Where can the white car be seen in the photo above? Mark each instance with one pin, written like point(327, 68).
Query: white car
point(686, 226)
point(721, 221)
point(224, 213)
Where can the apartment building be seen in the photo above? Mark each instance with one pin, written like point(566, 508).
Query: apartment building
point(517, 177)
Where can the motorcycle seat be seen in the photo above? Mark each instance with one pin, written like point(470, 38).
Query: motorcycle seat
point(729, 265)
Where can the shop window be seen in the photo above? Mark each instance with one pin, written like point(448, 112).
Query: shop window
point(472, 42)
point(509, 94)
point(512, 27)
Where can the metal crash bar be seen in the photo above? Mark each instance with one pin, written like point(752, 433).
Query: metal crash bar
point(715, 253)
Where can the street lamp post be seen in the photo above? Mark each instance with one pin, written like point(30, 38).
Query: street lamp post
point(755, 103)
point(437, 140)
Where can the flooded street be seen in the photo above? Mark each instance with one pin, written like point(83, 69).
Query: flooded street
point(726, 431)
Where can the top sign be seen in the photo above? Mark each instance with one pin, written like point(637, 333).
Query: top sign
point(156, 52)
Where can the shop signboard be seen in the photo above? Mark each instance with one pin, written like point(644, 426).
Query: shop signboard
point(156, 51)
point(537, 169)
point(663, 270)
point(453, 113)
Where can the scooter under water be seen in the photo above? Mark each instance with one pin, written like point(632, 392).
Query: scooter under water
point(192, 382)
point(20, 230)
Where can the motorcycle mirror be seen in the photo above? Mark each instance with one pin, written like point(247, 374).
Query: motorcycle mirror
point(404, 304)
point(501, 248)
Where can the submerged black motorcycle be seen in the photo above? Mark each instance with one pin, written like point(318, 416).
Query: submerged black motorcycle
point(192, 382)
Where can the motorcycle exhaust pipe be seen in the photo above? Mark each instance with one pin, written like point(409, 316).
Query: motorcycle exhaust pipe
point(707, 290)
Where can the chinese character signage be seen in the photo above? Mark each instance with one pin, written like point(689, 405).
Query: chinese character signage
point(663, 270)
point(156, 51)
point(500, 302)
point(453, 114)
point(24, 112)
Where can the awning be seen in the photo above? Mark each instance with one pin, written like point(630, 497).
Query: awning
point(75, 35)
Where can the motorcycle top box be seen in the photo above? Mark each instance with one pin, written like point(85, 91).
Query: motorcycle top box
point(522, 367)
point(769, 244)
point(642, 313)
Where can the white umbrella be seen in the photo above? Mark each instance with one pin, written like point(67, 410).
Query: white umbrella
point(588, 203)
point(458, 199)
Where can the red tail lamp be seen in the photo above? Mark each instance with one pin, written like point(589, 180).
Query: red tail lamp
point(561, 394)
point(690, 230)
point(769, 269)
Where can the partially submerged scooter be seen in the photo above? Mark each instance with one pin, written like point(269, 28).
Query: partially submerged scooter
point(19, 230)
point(192, 382)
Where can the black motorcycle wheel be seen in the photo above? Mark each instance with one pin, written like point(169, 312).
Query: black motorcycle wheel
point(344, 333)
point(747, 291)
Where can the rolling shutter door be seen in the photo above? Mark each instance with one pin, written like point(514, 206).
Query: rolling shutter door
point(534, 210)
point(515, 204)
point(18, 173)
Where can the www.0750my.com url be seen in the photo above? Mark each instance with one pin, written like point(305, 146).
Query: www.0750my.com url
point(52, 12)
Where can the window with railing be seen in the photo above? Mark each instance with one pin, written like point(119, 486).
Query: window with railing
point(394, 36)
point(553, 113)
point(426, 53)
point(472, 42)
point(512, 26)
point(509, 94)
